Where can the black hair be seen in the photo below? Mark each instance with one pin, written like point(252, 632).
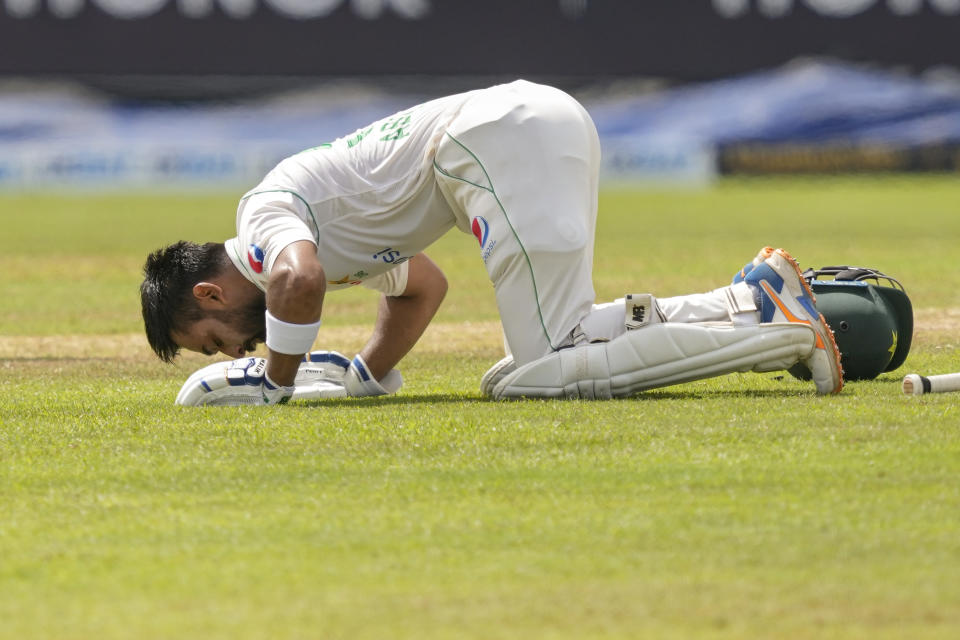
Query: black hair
point(166, 293)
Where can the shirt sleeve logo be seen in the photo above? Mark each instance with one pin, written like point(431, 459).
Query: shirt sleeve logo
point(255, 258)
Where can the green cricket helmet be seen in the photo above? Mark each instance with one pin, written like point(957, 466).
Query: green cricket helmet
point(871, 317)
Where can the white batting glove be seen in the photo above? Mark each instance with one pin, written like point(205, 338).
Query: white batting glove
point(321, 376)
point(359, 382)
point(233, 382)
point(354, 376)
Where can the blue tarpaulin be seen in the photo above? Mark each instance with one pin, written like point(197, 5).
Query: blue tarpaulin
point(62, 136)
point(799, 103)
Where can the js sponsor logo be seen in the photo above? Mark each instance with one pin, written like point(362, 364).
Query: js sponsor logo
point(255, 258)
point(390, 256)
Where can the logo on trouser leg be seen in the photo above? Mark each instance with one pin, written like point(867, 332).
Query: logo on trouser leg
point(481, 230)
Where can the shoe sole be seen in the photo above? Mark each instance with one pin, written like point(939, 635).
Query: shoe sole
point(825, 338)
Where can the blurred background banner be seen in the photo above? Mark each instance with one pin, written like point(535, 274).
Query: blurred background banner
point(677, 39)
point(211, 93)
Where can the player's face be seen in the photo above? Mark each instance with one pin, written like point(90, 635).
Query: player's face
point(231, 332)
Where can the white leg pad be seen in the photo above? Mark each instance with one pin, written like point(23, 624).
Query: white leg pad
point(495, 374)
point(656, 356)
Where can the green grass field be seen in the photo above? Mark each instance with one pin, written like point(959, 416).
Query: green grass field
point(738, 507)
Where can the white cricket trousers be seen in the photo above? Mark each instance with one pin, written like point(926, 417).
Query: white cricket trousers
point(519, 166)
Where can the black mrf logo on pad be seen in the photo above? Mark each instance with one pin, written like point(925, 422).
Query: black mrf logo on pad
point(639, 306)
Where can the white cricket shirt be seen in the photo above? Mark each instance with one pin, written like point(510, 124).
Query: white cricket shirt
point(369, 201)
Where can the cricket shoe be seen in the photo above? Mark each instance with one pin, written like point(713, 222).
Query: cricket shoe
point(765, 253)
point(785, 296)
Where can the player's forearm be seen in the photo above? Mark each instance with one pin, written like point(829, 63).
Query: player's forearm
point(401, 320)
point(400, 324)
point(294, 296)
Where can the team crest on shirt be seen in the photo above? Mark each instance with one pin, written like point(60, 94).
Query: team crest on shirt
point(481, 229)
point(255, 258)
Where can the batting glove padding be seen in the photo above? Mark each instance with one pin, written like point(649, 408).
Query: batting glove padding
point(359, 382)
point(322, 374)
point(244, 382)
point(354, 376)
point(233, 382)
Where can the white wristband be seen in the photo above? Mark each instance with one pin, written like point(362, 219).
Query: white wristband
point(289, 338)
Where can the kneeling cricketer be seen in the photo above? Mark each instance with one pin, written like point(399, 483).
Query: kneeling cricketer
point(516, 165)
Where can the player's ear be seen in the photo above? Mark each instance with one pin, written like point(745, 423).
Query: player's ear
point(208, 294)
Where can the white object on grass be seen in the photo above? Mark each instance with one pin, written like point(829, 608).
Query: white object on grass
point(917, 385)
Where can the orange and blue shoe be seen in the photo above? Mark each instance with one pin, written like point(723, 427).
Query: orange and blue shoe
point(764, 253)
point(785, 296)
